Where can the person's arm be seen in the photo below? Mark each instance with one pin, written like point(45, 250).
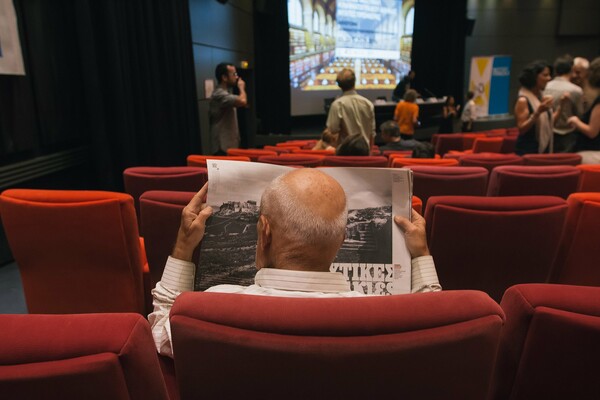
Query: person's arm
point(242, 98)
point(416, 116)
point(590, 130)
point(333, 119)
point(178, 275)
point(525, 120)
point(424, 276)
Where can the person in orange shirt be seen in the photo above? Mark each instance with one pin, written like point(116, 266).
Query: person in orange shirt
point(406, 114)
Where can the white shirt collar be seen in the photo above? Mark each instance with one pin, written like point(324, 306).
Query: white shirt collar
point(304, 281)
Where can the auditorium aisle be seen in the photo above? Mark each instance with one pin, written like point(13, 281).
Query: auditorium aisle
point(12, 300)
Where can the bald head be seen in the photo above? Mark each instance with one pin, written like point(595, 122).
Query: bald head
point(306, 213)
point(580, 70)
point(346, 79)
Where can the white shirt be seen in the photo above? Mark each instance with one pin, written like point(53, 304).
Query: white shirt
point(178, 277)
point(351, 114)
point(468, 113)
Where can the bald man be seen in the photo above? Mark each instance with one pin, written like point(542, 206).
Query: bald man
point(351, 113)
point(301, 227)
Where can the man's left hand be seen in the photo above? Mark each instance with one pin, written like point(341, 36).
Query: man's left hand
point(192, 227)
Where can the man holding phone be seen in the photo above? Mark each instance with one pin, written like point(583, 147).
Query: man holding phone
point(224, 129)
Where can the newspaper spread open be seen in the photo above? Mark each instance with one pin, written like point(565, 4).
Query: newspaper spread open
point(373, 257)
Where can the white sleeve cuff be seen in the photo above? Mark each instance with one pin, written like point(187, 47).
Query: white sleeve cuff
point(178, 275)
point(424, 276)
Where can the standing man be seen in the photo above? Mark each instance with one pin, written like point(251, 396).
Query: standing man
point(580, 78)
point(404, 85)
point(351, 113)
point(569, 97)
point(224, 129)
point(468, 114)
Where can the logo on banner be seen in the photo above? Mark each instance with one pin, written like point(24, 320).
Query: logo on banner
point(479, 83)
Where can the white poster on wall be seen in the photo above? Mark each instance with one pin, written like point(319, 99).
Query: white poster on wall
point(11, 58)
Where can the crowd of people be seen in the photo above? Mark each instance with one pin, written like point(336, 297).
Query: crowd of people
point(560, 114)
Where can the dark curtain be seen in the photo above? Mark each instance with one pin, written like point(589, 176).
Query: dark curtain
point(271, 47)
point(438, 50)
point(116, 75)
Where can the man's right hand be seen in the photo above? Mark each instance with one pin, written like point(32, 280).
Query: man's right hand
point(241, 84)
point(414, 234)
point(193, 224)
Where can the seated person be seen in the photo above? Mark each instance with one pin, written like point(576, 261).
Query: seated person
point(390, 133)
point(353, 145)
point(423, 150)
point(301, 227)
point(328, 140)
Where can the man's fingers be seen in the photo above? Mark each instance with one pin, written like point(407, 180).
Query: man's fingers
point(196, 203)
point(402, 222)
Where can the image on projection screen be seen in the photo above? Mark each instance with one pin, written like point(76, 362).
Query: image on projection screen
point(373, 37)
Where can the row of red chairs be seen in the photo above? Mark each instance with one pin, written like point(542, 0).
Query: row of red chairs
point(540, 342)
point(397, 159)
point(106, 268)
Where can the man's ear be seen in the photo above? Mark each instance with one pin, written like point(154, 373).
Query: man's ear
point(264, 232)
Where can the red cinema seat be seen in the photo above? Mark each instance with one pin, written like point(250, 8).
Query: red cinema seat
point(314, 152)
point(552, 159)
point(522, 180)
point(469, 139)
point(83, 356)
point(447, 142)
point(356, 161)
point(294, 143)
point(549, 345)
point(445, 181)
point(487, 145)
point(138, 180)
point(402, 153)
point(314, 348)
point(77, 251)
point(304, 160)
point(578, 259)
point(161, 216)
point(492, 243)
point(197, 160)
point(417, 204)
point(408, 162)
point(279, 149)
point(490, 160)
point(589, 180)
point(509, 144)
point(253, 154)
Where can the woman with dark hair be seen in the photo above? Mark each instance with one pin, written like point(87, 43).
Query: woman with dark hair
point(588, 127)
point(533, 113)
point(449, 112)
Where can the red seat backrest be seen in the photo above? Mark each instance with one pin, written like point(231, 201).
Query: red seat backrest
point(589, 180)
point(549, 345)
point(253, 154)
point(161, 215)
point(197, 160)
point(305, 160)
point(77, 251)
point(490, 160)
point(522, 180)
point(577, 262)
point(552, 159)
point(138, 180)
point(79, 356)
point(355, 161)
point(444, 181)
point(491, 243)
point(298, 342)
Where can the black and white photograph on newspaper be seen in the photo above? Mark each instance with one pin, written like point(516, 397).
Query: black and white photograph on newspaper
point(373, 258)
point(11, 59)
